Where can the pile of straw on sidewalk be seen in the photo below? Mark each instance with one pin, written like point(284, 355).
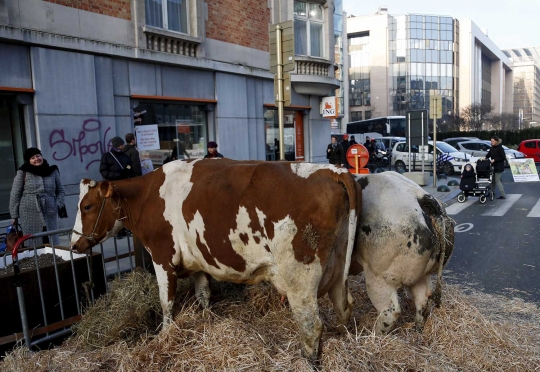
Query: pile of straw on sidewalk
point(248, 328)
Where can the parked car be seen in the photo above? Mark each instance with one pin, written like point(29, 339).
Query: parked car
point(455, 140)
point(389, 142)
point(456, 159)
point(479, 148)
point(531, 149)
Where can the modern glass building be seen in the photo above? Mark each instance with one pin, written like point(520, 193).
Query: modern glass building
point(423, 61)
point(526, 65)
point(397, 62)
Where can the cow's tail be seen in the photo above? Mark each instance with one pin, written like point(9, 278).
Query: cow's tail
point(354, 194)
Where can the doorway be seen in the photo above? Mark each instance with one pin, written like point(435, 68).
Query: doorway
point(11, 148)
point(293, 134)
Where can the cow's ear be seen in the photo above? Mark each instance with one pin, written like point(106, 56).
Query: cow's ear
point(105, 189)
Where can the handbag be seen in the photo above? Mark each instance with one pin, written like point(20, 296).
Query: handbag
point(62, 212)
point(14, 233)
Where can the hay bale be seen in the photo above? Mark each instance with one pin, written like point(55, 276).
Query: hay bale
point(248, 328)
point(131, 308)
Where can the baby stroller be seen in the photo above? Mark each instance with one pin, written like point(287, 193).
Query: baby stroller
point(476, 183)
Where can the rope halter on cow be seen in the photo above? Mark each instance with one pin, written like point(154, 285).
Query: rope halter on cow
point(91, 238)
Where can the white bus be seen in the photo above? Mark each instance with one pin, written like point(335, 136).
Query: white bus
point(385, 126)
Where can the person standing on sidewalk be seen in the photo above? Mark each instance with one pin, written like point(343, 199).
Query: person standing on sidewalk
point(334, 152)
point(497, 155)
point(131, 151)
point(36, 196)
point(344, 147)
point(116, 165)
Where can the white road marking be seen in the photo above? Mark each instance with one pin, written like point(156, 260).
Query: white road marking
point(458, 207)
point(463, 227)
point(535, 212)
point(502, 206)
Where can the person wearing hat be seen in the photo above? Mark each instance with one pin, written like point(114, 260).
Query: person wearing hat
point(352, 141)
point(345, 146)
point(212, 151)
point(115, 164)
point(369, 146)
point(36, 196)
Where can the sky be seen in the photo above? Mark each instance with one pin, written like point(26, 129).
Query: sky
point(509, 23)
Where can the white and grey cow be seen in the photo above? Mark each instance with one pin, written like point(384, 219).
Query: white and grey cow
point(401, 235)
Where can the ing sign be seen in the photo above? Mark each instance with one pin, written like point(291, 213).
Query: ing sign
point(329, 107)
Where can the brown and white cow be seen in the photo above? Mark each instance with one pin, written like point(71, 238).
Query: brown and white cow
point(292, 224)
point(401, 234)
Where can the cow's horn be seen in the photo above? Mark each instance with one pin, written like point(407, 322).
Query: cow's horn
point(92, 183)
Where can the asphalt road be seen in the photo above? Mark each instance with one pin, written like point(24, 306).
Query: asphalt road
point(497, 244)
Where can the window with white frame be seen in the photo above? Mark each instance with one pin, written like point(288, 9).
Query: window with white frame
point(308, 29)
point(170, 15)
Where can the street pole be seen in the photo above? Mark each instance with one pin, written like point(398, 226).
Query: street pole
point(280, 93)
point(435, 146)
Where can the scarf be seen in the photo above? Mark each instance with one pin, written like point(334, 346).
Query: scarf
point(43, 170)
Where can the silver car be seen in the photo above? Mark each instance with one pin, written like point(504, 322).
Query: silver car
point(479, 148)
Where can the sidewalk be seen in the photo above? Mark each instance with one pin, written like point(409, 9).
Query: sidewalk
point(443, 196)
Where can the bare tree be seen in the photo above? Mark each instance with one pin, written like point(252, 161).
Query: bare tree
point(504, 121)
point(452, 123)
point(473, 116)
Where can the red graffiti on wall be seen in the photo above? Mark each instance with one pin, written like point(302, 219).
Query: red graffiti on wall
point(77, 146)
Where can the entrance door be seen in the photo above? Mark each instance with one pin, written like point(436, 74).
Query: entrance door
point(293, 134)
point(11, 147)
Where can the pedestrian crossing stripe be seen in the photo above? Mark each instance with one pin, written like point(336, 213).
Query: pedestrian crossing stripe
point(498, 207)
point(535, 212)
point(501, 208)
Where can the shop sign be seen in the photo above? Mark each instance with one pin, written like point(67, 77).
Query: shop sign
point(334, 124)
point(299, 134)
point(329, 107)
point(147, 137)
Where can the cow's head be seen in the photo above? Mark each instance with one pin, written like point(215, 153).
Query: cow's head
point(97, 217)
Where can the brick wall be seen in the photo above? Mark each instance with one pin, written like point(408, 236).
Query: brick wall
point(114, 8)
point(241, 22)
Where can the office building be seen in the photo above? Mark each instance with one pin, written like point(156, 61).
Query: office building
point(526, 66)
point(397, 62)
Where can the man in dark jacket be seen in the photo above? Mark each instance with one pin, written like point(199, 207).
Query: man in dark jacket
point(345, 147)
point(212, 151)
point(131, 151)
point(498, 156)
point(334, 152)
point(115, 164)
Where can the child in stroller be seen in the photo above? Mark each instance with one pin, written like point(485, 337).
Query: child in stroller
point(476, 183)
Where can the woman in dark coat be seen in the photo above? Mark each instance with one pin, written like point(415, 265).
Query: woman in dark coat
point(36, 195)
point(498, 156)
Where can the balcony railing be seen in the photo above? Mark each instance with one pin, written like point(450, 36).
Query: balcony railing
point(169, 42)
point(312, 68)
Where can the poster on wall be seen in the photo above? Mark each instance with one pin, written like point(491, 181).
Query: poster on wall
point(523, 170)
point(147, 137)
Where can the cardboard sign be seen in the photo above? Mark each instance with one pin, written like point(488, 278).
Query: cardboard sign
point(147, 137)
point(146, 166)
point(523, 170)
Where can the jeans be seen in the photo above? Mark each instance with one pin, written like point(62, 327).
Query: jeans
point(497, 181)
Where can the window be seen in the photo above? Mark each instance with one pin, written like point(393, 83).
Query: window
point(181, 127)
point(308, 29)
point(167, 14)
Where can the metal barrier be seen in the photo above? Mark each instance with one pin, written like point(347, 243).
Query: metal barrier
point(51, 298)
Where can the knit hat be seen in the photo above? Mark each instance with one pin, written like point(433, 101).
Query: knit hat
point(345, 136)
point(117, 142)
point(29, 153)
point(212, 145)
